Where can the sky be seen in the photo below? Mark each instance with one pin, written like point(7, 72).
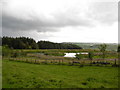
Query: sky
point(61, 20)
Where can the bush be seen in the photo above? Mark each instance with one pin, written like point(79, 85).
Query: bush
point(6, 51)
point(90, 55)
point(103, 48)
point(78, 56)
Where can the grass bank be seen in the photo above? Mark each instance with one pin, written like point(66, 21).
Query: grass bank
point(25, 75)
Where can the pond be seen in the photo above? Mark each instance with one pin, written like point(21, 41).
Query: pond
point(73, 54)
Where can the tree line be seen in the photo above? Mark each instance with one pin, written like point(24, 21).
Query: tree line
point(29, 43)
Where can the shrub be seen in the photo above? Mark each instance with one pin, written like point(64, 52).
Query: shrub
point(78, 56)
point(15, 54)
point(90, 55)
point(103, 48)
point(6, 51)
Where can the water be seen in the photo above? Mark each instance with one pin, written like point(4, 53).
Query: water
point(70, 55)
point(73, 54)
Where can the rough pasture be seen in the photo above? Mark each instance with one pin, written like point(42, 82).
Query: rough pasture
point(25, 75)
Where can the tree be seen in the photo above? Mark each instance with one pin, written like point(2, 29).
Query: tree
point(29, 43)
point(90, 55)
point(19, 43)
point(51, 45)
point(102, 48)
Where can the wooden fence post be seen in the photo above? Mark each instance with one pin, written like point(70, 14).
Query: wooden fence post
point(35, 61)
point(59, 61)
point(115, 61)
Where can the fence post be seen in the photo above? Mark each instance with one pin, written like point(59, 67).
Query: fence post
point(59, 61)
point(35, 61)
point(115, 61)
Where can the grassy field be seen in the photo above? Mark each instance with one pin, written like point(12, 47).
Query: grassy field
point(0, 67)
point(0, 72)
point(47, 68)
point(26, 75)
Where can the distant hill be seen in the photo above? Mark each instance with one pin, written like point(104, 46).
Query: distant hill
point(110, 46)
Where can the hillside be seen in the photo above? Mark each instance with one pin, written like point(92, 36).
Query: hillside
point(110, 46)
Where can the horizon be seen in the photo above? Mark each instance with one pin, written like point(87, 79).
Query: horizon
point(65, 42)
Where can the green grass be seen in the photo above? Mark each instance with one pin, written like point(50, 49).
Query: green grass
point(0, 72)
point(25, 75)
point(0, 67)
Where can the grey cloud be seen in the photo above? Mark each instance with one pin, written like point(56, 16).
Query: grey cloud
point(104, 12)
point(119, 20)
point(71, 19)
point(35, 35)
point(119, 11)
point(17, 24)
point(13, 23)
point(42, 24)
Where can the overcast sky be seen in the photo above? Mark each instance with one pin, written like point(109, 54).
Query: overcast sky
point(61, 20)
